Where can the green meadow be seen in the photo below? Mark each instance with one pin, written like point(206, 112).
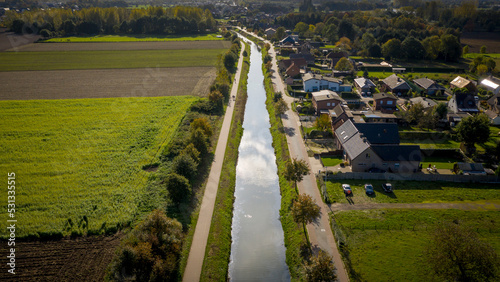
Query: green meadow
point(389, 245)
point(78, 163)
point(123, 38)
point(61, 60)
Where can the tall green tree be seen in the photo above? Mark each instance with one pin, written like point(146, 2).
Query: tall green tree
point(392, 49)
point(413, 48)
point(456, 253)
point(178, 187)
point(474, 129)
point(323, 123)
point(305, 211)
point(344, 65)
point(320, 268)
point(450, 47)
point(432, 45)
point(295, 171)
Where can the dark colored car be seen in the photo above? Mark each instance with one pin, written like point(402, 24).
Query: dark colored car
point(387, 187)
point(369, 189)
point(347, 189)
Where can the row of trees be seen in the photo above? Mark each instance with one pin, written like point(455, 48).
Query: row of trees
point(152, 20)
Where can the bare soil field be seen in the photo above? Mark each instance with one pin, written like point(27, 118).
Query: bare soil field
point(123, 46)
point(81, 259)
point(10, 40)
point(477, 39)
point(107, 83)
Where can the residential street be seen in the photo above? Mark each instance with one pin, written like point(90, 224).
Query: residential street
point(199, 244)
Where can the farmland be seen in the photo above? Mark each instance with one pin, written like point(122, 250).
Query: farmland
point(477, 39)
point(120, 38)
point(383, 243)
point(56, 60)
point(78, 163)
point(149, 82)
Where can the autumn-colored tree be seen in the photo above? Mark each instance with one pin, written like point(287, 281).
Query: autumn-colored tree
point(320, 268)
point(323, 123)
point(344, 43)
point(305, 211)
point(296, 170)
point(203, 124)
point(280, 107)
point(344, 65)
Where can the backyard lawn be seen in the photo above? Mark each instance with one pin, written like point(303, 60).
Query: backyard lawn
point(332, 161)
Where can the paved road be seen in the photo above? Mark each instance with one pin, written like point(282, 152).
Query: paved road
point(320, 233)
point(199, 244)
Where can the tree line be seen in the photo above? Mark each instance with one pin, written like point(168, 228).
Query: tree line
point(152, 20)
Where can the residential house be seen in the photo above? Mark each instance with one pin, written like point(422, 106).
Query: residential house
point(462, 103)
point(396, 85)
point(364, 85)
point(270, 32)
point(340, 114)
point(455, 118)
point(494, 117)
point(460, 82)
point(380, 117)
point(385, 102)
point(375, 146)
point(316, 82)
point(427, 103)
point(325, 100)
point(308, 57)
point(494, 103)
point(429, 86)
point(283, 65)
point(491, 84)
point(293, 70)
point(290, 39)
point(335, 57)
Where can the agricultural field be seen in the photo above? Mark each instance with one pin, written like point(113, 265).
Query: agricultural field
point(477, 39)
point(104, 83)
point(382, 244)
point(123, 46)
point(59, 60)
point(124, 38)
point(78, 163)
point(413, 192)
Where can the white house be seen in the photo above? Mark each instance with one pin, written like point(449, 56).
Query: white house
point(316, 82)
point(492, 84)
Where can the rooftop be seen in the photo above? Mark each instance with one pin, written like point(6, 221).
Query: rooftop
point(309, 76)
point(460, 82)
point(324, 95)
point(378, 96)
point(395, 81)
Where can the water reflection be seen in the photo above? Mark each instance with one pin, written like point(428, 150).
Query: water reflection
point(257, 250)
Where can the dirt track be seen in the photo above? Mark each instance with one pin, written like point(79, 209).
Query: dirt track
point(10, 40)
point(77, 84)
point(82, 259)
point(124, 46)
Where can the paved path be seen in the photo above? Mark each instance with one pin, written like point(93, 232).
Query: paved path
point(459, 206)
point(199, 244)
point(320, 233)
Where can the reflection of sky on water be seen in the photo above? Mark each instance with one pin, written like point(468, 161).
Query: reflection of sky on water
point(257, 250)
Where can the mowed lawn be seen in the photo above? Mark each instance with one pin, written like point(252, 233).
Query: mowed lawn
point(413, 192)
point(31, 61)
point(389, 245)
point(80, 161)
point(124, 38)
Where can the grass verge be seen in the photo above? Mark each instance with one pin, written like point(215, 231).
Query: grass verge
point(216, 263)
point(381, 245)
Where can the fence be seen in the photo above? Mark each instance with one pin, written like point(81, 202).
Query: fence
point(415, 177)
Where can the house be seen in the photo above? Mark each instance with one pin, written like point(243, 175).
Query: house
point(335, 57)
point(375, 146)
point(427, 103)
point(494, 103)
point(340, 114)
point(325, 100)
point(462, 103)
point(396, 85)
point(455, 118)
point(460, 82)
point(429, 86)
point(316, 82)
point(270, 32)
point(308, 57)
point(469, 168)
point(377, 116)
point(494, 117)
point(385, 102)
point(290, 39)
point(364, 85)
point(285, 64)
point(293, 70)
point(491, 84)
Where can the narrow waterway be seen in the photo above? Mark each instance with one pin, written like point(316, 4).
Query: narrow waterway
point(257, 249)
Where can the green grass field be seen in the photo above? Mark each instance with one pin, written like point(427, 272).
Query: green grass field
point(30, 61)
point(77, 159)
point(124, 38)
point(389, 245)
point(413, 192)
point(440, 163)
point(331, 161)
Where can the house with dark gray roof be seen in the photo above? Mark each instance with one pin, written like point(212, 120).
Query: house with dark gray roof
point(427, 103)
point(429, 86)
point(340, 114)
point(308, 57)
point(463, 103)
point(385, 102)
point(369, 146)
point(364, 85)
point(396, 85)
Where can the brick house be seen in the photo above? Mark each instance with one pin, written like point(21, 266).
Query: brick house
point(385, 102)
point(325, 100)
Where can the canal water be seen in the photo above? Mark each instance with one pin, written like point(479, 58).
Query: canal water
point(257, 249)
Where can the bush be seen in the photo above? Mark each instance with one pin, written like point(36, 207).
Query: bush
point(178, 187)
point(185, 165)
point(45, 33)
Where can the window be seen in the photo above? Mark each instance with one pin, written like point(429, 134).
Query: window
point(389, 102)
point(396, 165)
point(367, 155)
point(333, 104)
point(381, 102)
point(361, 164)
point(328, 104)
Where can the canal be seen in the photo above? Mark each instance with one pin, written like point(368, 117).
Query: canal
point(257, 249)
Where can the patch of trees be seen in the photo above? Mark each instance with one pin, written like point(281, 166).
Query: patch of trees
point(153, 20)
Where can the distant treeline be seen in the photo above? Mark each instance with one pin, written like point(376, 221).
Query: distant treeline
point(153, 20)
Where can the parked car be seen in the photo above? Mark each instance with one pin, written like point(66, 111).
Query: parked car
point(387, 187)
point(347, 189)
point(369, 189)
